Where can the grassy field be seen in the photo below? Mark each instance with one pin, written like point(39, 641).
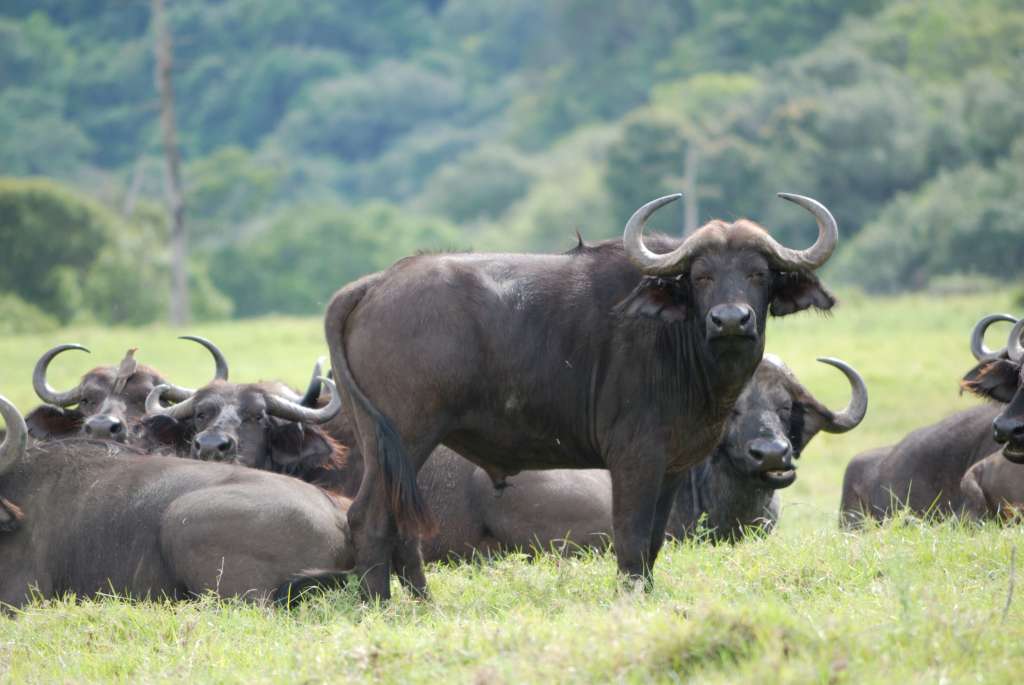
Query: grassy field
point(904, 602)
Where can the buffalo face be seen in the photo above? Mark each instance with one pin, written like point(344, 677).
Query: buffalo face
point(1000, 376)
point(774, 419)
point(109, 401)
point(251, 425)
point(727, 277)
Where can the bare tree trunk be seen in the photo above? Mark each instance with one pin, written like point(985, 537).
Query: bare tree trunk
point(692, 202)
point(175, 194)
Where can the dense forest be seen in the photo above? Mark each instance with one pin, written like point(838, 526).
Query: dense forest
point(324, 139)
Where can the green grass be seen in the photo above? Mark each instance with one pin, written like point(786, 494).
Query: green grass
point(904, 602)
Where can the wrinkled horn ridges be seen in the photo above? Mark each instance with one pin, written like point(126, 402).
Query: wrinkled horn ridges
point(817, 254)
point(293, 411)
point(43, 389)
point(16, 441)
point(648, 262)
point(978, 348)
point(850, 417)
point(177, 393)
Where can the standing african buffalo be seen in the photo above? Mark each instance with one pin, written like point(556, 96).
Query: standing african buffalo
point(85, 516)
point(108, 402)
point(608, 356)
point(923, 471)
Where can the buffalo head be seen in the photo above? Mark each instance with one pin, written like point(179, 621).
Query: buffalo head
point(776, 416)
point(259, 425)
point(108, 402)
point(1000, 376)
point(726, 277)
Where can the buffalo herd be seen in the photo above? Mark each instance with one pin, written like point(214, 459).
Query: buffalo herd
point(616, 395)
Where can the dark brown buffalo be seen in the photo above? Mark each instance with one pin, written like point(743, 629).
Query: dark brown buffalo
point(258, 425)
point(108, 402)
point(84, 517)
point(735, 490)
point(1001, 378)
point(609, 356)
point(923, 472)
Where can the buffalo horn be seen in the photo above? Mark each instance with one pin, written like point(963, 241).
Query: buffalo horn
point(293, 411)
point(179, 411)
point(13, 446)
point(978, 348)
point(1014, 347)
point(850, 417)
point(177, 393)
point(43, 389)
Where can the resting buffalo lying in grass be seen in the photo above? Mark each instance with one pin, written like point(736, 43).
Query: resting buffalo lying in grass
point(86, 517)
point(923, 471)
point(108, 402)
point(774, 419)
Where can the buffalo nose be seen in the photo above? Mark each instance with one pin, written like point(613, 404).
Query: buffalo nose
point(1005, 429)
point(771, 453)
point(213, 447)
point(730, 319)
point(108, 427)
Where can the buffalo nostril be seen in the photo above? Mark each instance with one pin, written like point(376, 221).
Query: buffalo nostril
point(225, 445)
point(88, 429)
point(715, 319)
point(756, 453)
point(745, 318)
point(116, 427)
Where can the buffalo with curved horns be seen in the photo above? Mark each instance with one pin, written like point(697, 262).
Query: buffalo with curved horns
point(108, 402)
point(620, 355)
point(156, 526)
point(923, 472)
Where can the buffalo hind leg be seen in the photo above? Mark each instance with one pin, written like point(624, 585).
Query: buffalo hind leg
point(373, 525)
point(634, 497)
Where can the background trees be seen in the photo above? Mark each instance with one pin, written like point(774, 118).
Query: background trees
point(325, 140)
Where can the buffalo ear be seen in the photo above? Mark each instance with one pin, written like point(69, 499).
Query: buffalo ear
point(797, 290)
point(995, 379)
point(47, 422)
point(160, 430)
point(662, 299)
point(295, 447)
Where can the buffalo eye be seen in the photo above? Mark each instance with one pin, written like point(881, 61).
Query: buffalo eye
point(85, 402)
point(703, 280)
point(200, 416)
point(757, 276)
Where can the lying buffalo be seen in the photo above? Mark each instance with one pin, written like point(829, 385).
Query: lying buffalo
point(608, 356)
point(258, 425)
point(108, 402)
point(994, 488)
point(86, 517)
point(923, 471)
point(774, 419)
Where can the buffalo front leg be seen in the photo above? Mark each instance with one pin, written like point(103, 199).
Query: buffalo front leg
point(662, 511)
point(635, 494)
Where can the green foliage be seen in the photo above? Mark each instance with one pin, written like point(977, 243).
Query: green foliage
point(17, 316)
point(297, 262)
point(51, 237)
point(482, 183)
point(969, 220)
point(483, 112)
